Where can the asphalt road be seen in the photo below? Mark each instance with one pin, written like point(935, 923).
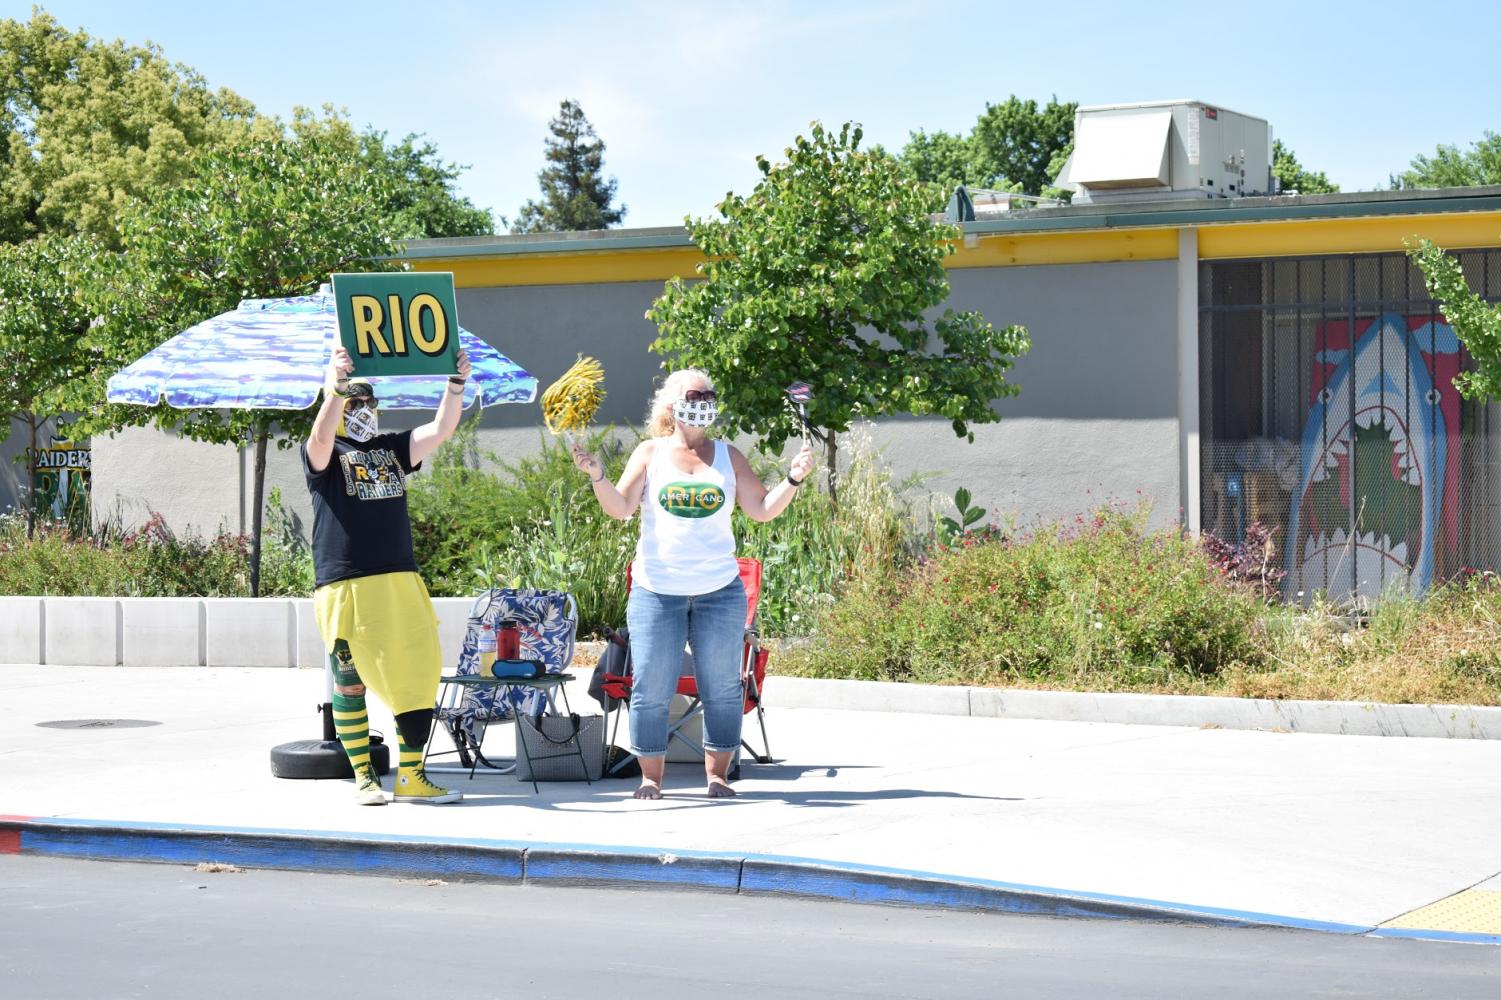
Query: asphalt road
point(89, 929)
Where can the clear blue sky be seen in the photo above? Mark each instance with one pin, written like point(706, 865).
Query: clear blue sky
point(686, 94)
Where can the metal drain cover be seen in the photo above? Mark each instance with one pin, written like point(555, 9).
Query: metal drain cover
point(98, 724)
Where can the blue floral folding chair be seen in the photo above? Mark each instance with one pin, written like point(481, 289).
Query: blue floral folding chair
point(547, 626)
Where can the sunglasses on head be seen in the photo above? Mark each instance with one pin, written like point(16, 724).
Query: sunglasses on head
point(700, 396)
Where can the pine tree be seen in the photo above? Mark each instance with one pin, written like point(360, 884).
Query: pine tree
point(575, 194)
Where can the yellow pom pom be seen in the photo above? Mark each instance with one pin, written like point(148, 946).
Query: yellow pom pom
point(571, 402)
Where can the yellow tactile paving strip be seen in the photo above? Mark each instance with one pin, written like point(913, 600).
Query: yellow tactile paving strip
point(1474, 911)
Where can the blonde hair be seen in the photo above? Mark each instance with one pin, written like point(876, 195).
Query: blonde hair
point(659, 420)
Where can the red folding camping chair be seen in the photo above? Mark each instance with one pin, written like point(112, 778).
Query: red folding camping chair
point(615, 682)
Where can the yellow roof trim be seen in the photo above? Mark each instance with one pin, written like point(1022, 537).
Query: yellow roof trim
point(598, 267)
point(1329, 236)
point(1014, 250)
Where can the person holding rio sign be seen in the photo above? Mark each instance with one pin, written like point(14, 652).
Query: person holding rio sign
point(373, 610)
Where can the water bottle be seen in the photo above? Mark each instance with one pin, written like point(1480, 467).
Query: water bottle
point(507, 641)
point(487, 649)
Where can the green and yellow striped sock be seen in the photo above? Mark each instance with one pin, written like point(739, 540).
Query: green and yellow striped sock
point(352, 725)
point(408, 758)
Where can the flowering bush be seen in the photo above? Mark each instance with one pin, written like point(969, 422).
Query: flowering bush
point(1249, 561)
point(150, 561)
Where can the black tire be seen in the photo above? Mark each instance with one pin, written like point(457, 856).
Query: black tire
point(323, 759)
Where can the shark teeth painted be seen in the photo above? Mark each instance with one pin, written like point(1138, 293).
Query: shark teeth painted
point(1372, 432)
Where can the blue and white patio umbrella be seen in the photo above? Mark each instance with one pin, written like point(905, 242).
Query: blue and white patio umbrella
point(271, 354)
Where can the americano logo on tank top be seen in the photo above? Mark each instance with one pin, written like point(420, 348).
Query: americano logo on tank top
point(690, 499)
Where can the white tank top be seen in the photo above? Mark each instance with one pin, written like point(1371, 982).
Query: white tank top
point(687, 546)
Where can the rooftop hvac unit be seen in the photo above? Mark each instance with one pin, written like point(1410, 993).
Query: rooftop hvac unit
point(1167, 150)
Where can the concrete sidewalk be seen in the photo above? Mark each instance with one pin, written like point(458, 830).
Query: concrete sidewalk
point(1358, 834)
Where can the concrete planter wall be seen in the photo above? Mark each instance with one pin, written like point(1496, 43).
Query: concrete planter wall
point(182, 631)
point(160, 631)
point(22, 639)
point(82, 630)
point(249, 632)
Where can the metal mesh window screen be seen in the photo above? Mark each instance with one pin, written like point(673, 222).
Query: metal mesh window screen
point(1329, 415)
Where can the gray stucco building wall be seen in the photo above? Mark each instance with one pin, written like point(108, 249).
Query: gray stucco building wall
point(1096, 417)
point(13, 467)
point(14, 481)
point(1097, 414)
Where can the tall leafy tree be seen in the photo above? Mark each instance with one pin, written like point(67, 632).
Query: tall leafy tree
point(1015, 145)
point(1025, 143)
point(421, 193)
point(1451, 166)
point(42, 326)
point(86, 124)
point(1294, 177)
point(423, 197)
point(266, 219)
point(575, 193)
point(948, 160)
point(829, 272)
point(1476, 322)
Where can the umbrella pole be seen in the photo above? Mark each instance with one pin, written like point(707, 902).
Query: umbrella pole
point(255, 513)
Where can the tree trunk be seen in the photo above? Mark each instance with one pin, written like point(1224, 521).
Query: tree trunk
point(255, 513)
point(31, 500)
point(832, 451)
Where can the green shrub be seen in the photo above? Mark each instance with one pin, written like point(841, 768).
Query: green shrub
point(151, 561)
point(286, 557)
point(813, 550)
point(569, 544)
point(57, 562)
point(535, 523)
point(169, 565)
point(1100, 599)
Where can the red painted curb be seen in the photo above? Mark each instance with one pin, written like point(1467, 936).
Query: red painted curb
point(10, 840)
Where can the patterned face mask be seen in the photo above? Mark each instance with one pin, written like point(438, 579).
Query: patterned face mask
point(361, 424)
point(699, 414)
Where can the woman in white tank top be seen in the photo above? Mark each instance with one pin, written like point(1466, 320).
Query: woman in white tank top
point(685, 581)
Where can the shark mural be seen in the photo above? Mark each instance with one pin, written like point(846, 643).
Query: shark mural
point(1378, 487)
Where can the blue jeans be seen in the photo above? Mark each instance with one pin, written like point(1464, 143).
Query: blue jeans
point(714, 626)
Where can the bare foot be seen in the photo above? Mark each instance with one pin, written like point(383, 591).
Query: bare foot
point(719, 788)
point(651, 790)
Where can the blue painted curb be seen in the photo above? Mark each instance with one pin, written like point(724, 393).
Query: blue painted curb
point(562, 866)
point(905, 887)
point(287, 850)
point(394, 855)
point(1465, 937)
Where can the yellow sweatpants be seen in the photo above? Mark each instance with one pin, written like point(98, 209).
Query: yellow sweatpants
point(392, 631)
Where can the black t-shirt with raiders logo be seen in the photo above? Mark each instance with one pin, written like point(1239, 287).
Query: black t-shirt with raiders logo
point(360, 523)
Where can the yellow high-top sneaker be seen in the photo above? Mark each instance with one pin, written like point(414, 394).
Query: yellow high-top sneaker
point(413, 786)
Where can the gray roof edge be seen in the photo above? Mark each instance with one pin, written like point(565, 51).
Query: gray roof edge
point(1265, 209)
point(1074, 218)
point(662, 237)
